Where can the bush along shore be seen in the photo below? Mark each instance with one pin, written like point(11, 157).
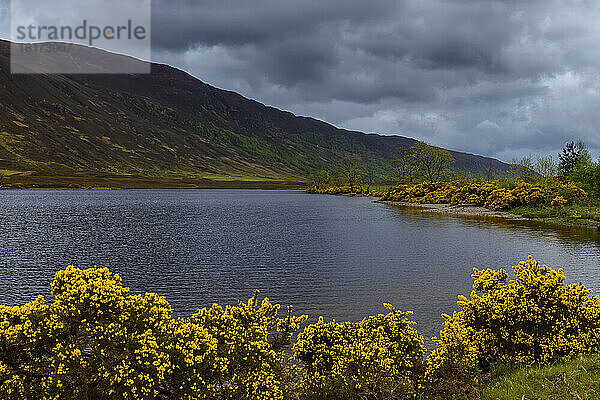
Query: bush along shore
point(556, 199)
point(95, 340)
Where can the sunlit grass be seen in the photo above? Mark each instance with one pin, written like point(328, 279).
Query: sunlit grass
point(575, 379)
point(381, 188)
point(584, 211)
point(235, 177)
point(9, 172)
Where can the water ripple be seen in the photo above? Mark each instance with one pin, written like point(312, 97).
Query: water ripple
point(334, 256)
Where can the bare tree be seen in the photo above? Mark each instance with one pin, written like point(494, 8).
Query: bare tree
point(522, 168)
point(490, 173)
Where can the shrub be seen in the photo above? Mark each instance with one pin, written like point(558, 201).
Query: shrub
point(332, 190)
point(534, 318)
point(558, 202)
point(588, 174)
point(495, 195)
point(93, 340)
point(250, 348)
point(97, 341)
point(380, 357)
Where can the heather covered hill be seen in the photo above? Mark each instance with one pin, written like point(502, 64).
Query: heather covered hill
point(168, 123)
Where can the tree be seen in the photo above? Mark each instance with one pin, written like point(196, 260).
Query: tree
point(369, 179)
point(490, 173)
point(320, 179)
point(404, 164)
point(430, 161)
point(546, 166)
point(350, 172)
point(588, 174)
point(522, 168)
point(571, 155)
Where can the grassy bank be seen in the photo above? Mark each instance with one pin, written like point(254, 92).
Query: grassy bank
point(578, 378)
point(37, 181)
point(575, 215)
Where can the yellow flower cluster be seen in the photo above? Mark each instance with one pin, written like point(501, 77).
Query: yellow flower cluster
point(332, 190)
point(98, 341)
point(379, 357)
point(495, 195)
point(535, 318)
point(558, 201)
point(337, 190)
point(575, 215)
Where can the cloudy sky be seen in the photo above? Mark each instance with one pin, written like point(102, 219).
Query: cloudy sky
point(503, 78)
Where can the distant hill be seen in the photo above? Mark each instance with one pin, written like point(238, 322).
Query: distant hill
point(168, 123)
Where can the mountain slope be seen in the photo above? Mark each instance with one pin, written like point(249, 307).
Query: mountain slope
point(168, 123)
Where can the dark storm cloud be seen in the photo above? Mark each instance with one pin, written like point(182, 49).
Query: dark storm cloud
point(239, 22)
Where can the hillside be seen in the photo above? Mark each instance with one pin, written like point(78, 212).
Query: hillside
point(167, 124)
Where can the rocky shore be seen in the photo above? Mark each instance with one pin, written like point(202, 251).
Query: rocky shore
point(454, 209)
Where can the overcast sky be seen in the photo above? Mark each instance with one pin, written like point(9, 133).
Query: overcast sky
point(498, 78)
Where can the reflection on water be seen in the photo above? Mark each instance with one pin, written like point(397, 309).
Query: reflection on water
point(340, 257)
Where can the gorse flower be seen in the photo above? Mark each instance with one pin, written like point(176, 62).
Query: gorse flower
point(575, 215)
point(558, 201)
point(332, 190)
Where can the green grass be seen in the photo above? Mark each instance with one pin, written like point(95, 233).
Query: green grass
point(534, 212)
point(585, 211)
point(573, 215)
point(574, 379)
point(236, 177)
point(381, 188)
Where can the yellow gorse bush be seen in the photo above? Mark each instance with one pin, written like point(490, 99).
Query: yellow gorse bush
point(332, 190)
point(337, 190)
point(96, 341)
point(495, 195)
point(534, 318)
point(379, 357)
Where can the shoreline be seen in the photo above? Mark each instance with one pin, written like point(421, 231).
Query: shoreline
point(469, 210)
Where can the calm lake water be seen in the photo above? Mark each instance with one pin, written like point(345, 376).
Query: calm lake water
point(339, 257)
